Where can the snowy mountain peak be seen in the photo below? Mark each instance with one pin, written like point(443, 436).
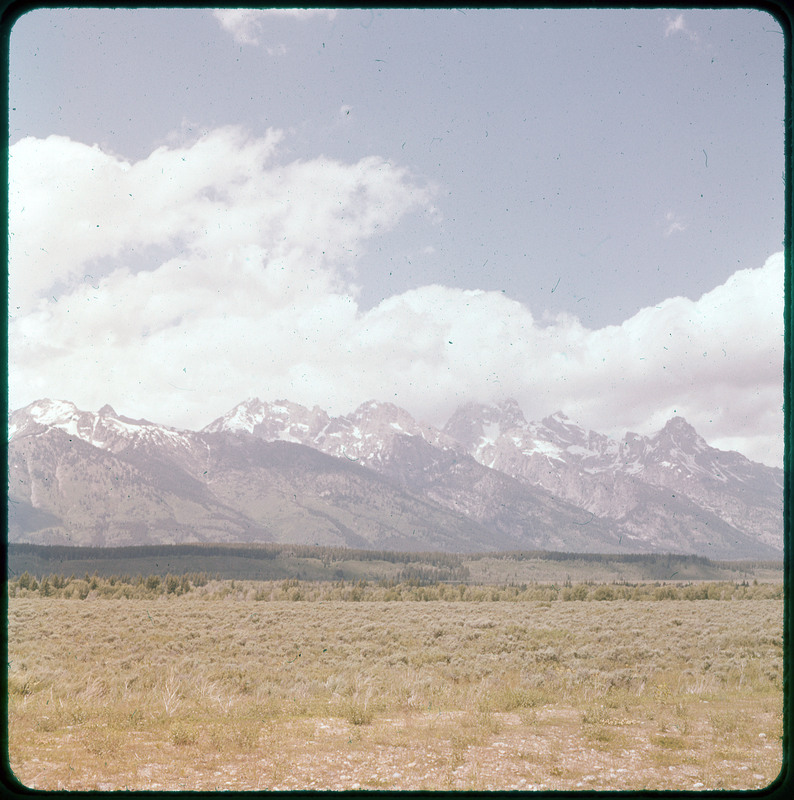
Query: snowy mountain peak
point(374, 414)
point(678, 426)
point(678, 434)
point(277, 420)
point(105, 429)
point(561, 431)
point(476, 424)
point(243, 417)
point(51, 412)
point(366, 435)
point(558, 420)
point(510, 415)
point(368, 406)
point(41, 413)
point(670, 488)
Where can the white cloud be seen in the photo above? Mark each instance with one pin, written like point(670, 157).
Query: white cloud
point(678, 25)
point(246, 24)
point(673, 224)
point(674, 25)
point(71, 205)
point(255, 297)
point(718, 361)
point(261, 254)
point(74, 210)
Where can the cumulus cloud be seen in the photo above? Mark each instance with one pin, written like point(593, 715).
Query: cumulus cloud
point(255, 296)
point(246, 24)
point(74, 209)
point(718, 361)
point(261, 255)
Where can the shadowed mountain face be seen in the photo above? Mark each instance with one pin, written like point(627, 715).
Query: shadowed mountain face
point(377, 478)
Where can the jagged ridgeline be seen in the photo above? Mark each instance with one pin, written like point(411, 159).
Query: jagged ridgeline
point(376, 479)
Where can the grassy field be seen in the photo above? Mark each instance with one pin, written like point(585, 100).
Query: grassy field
point(214, 689)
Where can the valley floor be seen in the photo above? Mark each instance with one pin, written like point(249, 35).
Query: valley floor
point(182, 692)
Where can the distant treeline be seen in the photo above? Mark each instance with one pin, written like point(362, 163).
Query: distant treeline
point(266, 550)
point(269, 550)
point(232, 561)
point(666, 559)
point(207, 587)
point(273, 561)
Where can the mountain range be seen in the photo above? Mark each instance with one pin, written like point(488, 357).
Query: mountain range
point(489, 480)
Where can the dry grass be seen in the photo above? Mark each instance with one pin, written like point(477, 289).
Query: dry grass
point(184, 692)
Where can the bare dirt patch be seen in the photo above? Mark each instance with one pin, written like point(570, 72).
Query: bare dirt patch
point(197, 694)
point(422, 751)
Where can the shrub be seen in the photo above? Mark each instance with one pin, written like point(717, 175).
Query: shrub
point(578, 592)
point(665, 593)
point(27, 581)
point(183, 734)
point(510, 698)
point(246, 736)
point(603, 593)
point(357, 712)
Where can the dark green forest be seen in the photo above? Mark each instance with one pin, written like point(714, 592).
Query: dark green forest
point(271, 561)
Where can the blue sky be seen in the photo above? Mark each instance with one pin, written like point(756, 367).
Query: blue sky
point(579, 209)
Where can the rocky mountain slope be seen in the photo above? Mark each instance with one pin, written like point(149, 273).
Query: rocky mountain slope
point(623, 480)
point(489, 480)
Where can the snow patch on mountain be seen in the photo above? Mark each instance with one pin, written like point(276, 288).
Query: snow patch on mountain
point(105, 429)
point(644, 485)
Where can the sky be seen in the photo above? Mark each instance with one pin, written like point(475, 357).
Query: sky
point(579, 209)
